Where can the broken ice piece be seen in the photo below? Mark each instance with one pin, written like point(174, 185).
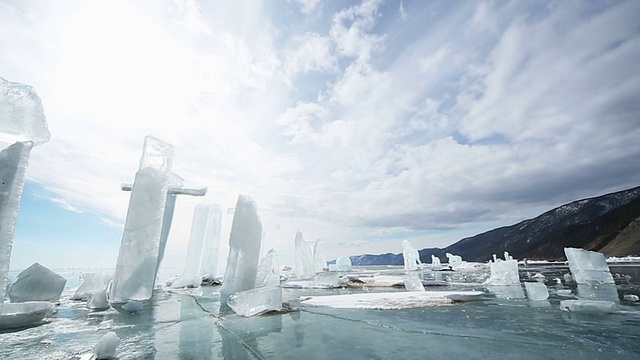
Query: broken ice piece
point(107, 324)
point(256, 301)
point(15, 315)
point(106, 346)
point(504, 273)
point(268, 270)
point(305, 266)
point(536, 291)
point(564, 292)
point(631, 297)
point(22, 114)
point(133, 306)
point(588, 306)
point(98, 301)
point(92, 284)
point(37, 283)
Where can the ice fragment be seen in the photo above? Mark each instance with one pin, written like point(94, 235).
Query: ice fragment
point(410, 256)
point(305, 267)
point(268, 270)
point(37, 283)
point(21, 114)
point(256, 301)
point(588, 267)
point(318, 256)
point(536, 291)
point(588, 306)
point(343, 263)
point(106, 346)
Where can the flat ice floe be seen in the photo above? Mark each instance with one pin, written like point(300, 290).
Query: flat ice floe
point(392, 300)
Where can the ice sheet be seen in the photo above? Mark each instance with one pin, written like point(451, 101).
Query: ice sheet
point(392, 300)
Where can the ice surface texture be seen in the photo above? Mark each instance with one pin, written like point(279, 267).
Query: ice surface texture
point(268, 270)
point(256, 301)
point(305, 266)
point(106, 346)
point(37, 283)
point(410, 256)
point(13, 167)
point(203, 228)
point(136, 267)
point(244, 249)
point(588, 267)
point(21, 114)
point(536, 291)
point(16, 315)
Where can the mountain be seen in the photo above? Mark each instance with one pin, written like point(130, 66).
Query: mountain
point(609, 223)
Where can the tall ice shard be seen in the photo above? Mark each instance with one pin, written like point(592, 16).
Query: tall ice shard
point(211, 253)
point(305, 266)
point(318, 256)
point(244, 249)
point(136, 268)
point(13, 167)
point(22, 122)
point(588, 267)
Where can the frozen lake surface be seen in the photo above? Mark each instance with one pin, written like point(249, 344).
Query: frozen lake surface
point(503, 324)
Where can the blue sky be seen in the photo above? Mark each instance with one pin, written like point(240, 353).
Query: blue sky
point(359, 122)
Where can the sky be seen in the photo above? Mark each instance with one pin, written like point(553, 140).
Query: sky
point(362, 123)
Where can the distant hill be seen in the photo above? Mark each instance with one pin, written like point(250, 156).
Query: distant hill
point(608, 223)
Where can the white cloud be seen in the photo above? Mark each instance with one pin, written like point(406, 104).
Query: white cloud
point(352, 125)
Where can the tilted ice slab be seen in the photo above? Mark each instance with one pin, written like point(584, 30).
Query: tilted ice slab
point(139, 252)
point(191, 276)
point(92, 284)
point(268, 270)
point(37, 283)
point(588, 267)
point(244, 249)
point(504, 273)
point(15, 315)
point(392, 300)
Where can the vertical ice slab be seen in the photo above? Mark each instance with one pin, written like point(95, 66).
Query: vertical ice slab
point(588, 267)
point(305, 266)
point(211, 252)
point(454, 260)
point(318, 256)
point(244, 249)
point(256, 301)
point(13, 167)
point(268, 270)
point(435, 261)
point(23, 123)
point(136, 267)
point(410, 256)
point(504, 273)
point(201, 230)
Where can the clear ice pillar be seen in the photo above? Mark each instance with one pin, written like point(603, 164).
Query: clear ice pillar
point(175, 188)
point(203, 228)
point(244, 249)
point(136, 268)
point(211, 253)
point(23, 124)
point(411, 256)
